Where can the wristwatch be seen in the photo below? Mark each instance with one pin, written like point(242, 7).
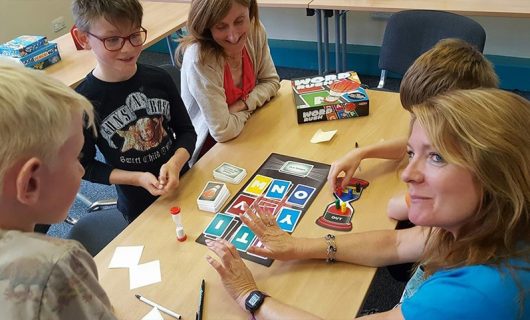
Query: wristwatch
point(254, 301)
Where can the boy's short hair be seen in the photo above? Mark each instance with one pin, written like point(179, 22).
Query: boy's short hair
point(35, 113)
point(114, 11)
point(450, 64)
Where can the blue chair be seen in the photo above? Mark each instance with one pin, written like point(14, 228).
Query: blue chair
point(410, 33)
point(95, 230)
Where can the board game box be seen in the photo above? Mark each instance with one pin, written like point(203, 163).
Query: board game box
point(42, 57)
point(284, 185)
point(23, 45)
point(330, 97)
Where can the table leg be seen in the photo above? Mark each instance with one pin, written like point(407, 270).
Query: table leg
point(338, 67)
point(343, 24)
point(170, 48)
point(319, 40)
point(326, 41)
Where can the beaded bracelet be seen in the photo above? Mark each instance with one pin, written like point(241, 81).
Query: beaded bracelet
point(332, 248)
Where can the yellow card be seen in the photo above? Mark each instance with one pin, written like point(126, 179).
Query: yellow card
point(258, 185)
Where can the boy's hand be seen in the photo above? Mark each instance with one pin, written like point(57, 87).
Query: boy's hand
point(347, 164)
point(169, 179)
point(149, 182)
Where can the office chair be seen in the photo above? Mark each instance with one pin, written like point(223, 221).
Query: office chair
point(95, 231)
point(410, 33)
point(93, 205)
point(174, 72)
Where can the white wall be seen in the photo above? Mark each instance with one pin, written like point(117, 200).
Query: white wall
point(505, 36)
point(33, 17)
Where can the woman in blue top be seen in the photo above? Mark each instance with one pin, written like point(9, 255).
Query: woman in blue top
point(469, 181)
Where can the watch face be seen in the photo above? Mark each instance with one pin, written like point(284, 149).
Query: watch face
point(254, 301)
point(254, 297)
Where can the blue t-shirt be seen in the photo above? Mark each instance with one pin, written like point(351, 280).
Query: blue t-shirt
point(473, 292)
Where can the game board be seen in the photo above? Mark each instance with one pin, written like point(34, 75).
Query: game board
point(285, 185)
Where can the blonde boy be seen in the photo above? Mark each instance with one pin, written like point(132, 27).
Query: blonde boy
point(41, 135)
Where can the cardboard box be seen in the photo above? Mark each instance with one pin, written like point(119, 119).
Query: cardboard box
point(330, 97)
point(22, 46)
point(42, 58)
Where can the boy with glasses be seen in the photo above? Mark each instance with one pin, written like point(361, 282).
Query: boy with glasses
point(144, 131)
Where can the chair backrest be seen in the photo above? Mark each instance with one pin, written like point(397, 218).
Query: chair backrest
point(174, 72)
point(410, 33)
point(96, 230)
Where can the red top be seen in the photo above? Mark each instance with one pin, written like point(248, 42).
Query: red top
point(174, 210)
point(248, 82)
point(234, 93)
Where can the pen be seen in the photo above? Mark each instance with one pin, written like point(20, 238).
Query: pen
point(159, 307)
point(198, 315)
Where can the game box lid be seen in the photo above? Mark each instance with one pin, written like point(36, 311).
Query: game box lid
point(40, 58)
point(22, 45)
point(329, 97)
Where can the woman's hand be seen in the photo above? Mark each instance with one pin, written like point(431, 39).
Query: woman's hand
point(235, 275)
point(237, 106)
point(278, 243)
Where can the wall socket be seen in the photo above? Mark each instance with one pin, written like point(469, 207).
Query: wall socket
point(58, 24)
point(380, 15)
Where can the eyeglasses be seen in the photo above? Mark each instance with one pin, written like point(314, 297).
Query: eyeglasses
point(115, 43)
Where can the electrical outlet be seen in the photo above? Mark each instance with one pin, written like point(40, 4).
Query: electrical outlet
point(380, 15)
point(58, 24)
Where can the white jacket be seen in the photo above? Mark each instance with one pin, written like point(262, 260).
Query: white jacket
point(204, 96)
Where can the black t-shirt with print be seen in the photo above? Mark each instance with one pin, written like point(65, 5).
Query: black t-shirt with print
point(140, 124)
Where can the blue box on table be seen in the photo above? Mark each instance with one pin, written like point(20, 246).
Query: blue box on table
point(42, 57)
point(22, 46)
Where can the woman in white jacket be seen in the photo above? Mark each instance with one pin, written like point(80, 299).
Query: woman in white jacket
point(226, 69)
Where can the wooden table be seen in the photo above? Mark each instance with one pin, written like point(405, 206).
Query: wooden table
point(333, 291)
point(494, 8)
point(160, 20)
point(262, 3)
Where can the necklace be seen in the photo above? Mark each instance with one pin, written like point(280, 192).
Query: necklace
point(234, 62)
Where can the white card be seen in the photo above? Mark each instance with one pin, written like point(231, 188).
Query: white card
point(144, 274)
point(125, 257)
point(321, 136)
point(228, 170)
point(154, 314)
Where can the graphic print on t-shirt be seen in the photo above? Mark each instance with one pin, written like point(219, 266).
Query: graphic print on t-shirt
point(145, 134)
point(138, 125)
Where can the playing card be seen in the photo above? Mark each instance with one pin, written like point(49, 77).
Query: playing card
point(213, 196)
point(228, 170)
point(210, 191)
point(296, 168)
